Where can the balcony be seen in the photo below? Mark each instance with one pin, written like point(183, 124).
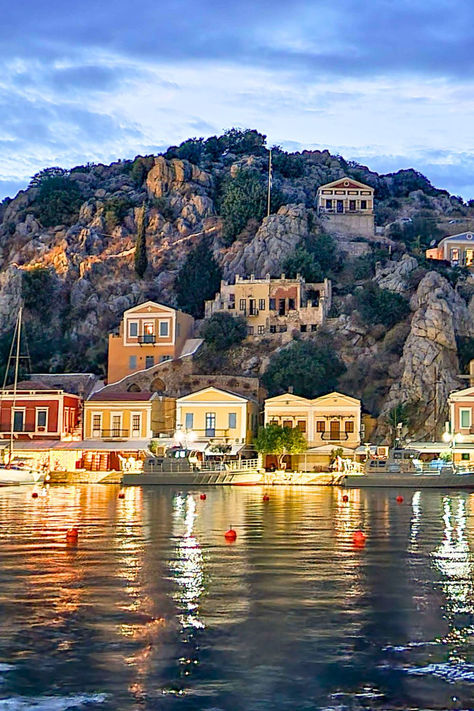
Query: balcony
point(329, 436)
point(147, 339)
point(113, 434)
point(253, 312)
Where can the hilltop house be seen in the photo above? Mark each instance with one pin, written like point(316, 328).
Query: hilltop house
point(456, 249)
point(347, 206)
point(272, 306)
point(329, 422)
point(149, 333)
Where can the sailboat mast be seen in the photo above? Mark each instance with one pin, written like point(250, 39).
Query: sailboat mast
point(15, 381)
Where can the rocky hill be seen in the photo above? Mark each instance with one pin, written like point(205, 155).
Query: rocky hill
point(67, 248)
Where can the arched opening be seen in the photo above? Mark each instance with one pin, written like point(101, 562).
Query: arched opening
point(157, 386)
point(133, 388)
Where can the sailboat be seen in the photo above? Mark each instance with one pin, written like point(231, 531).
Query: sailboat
point(14, 471)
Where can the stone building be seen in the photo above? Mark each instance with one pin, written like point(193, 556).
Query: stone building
point(272, 306)
point(346, 206)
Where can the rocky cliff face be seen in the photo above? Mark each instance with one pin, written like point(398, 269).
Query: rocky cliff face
point(429, 365)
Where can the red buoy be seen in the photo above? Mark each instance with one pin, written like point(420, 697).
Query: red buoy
point(266, 497)
point(399, 499)
point(230, 535)
point(359, 538)
point(121, 495)
point(72, 535)
point(34, 495)
point(345, 498)
point(203, 497)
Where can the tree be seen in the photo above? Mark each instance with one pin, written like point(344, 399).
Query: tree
point(243, 198)
point(378, 305)
point(397, 418)
point(198, 279)
point(141, 259)
point(38, 286)
point(303, 262)
point(222, 330)
point(43, 175)
point(277, 440)
point(324, 251)
point(59, 198)
point(311, 369)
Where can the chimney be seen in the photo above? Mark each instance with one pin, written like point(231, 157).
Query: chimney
point(290, 389)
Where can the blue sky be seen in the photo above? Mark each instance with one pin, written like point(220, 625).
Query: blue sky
point(387, 82)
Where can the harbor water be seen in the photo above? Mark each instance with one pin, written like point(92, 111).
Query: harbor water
point(154, 609)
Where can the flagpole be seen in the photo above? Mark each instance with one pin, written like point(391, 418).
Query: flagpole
point(269, 181)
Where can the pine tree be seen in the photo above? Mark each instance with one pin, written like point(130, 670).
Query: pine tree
point(198, 279)
point(141, 259)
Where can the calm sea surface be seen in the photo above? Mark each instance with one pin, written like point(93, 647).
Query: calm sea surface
point(154, 610)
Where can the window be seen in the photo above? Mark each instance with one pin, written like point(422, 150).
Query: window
point(349, 426)
point(164, 357)
point(242, 304)
point(465, 417)
point(260, 330)
point(116, 425)
point(18, 420)
point(320, 426)
point(281, 307)
point(96, 425)
point(249, 330)
point(272, 304)
point(273, 329)
point(352, 205)
point(189, 421)
point(164, 329)
point(149, 361)
point(303, 328)
point(363, 204)
point(232, 298)
point(232, 420)
point(148, 329)
point(301, 424)
point(132, 362)
point(288, 423)
point(133, 329)
point(328, 204)
point(261, 304)
point(41, 418)
point(136, 425)
point(252, 307)
point(314, 326)
point(210, 424)
point(465, 456)
point(455, 254)
point(291, 304)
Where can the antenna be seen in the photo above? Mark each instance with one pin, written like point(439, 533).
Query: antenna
point(269, 181)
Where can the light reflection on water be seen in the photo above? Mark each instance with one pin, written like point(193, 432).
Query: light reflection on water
point(155, 610)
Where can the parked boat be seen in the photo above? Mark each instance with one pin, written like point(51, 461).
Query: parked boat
point(404, 468)
point(181, 467)
point(15, 471)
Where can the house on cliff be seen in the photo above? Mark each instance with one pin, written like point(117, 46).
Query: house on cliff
point(458, 250)
point(346, 206)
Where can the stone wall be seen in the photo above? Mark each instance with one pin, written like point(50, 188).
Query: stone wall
point(346, 224)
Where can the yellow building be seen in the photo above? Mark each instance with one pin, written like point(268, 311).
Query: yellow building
point(124, 416)
point(456, 249)
point(274, 305)
point(149, 333)
point(329, 422)
point(347, 206)
point(216, 417)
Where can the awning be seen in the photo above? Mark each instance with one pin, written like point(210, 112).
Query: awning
point(41, 445)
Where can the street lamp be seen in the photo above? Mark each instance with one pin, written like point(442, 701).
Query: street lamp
point(452, 439)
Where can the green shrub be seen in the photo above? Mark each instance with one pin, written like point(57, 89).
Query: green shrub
point(198, 279)
point(59, 198)
point(377, 305)
point(116, 208)
point(140, 169)
point(465, 351)
point(244, 197)
point(38, 288)
point(223, 330)
point(311, 369)
point(303, 262)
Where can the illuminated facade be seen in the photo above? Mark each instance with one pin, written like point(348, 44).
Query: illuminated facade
point(456, 249)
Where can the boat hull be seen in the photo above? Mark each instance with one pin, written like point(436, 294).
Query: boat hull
point(412, 481)
point(194, 478)
point(19, 477)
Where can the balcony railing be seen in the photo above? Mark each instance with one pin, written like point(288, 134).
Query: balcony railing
point(334, 436)
point(114, 433)
point(147, 339)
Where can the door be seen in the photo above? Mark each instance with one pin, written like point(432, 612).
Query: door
point(18, 421)
point(116, 425)
point(340, 206)
point(335, 429)
point(210, 424)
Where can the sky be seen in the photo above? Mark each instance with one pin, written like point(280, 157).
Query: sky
point(388, 83)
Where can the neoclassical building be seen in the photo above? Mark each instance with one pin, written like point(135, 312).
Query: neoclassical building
point(347, 206)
